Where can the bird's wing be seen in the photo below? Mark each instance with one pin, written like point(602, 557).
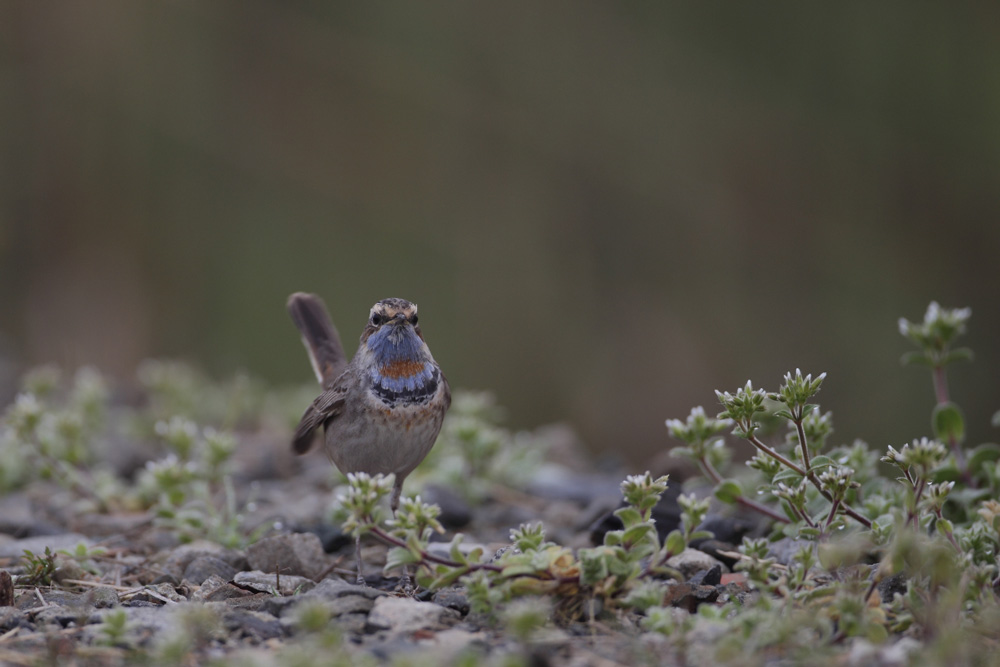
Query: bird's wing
point(327, 406)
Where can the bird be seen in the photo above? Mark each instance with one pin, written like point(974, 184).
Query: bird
point(382, 412)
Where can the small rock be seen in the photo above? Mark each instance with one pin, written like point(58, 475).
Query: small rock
point(888, 587)
point(340, 597)
point(689, 596)
point(6, 589)
point(719, 550)
point(783, 551)
point(252, 624)
point(157, 594)
point(103, 597)
point(181, 557)
point(407, 615)
point(291, 553)
point(709, 577)
point(337, 588)
point(691, 561)
point(203, 567)
point(452, 598)
point(264, 582)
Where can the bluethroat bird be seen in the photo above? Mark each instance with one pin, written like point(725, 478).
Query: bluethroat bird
point(381, 412)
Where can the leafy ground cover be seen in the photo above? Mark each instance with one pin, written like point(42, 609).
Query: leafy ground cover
point(170, 524)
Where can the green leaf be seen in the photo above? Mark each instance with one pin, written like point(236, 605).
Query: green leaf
point(948, 423)
point(958, 354)
point(593, 566)
point(635, 534)
point(919, 358)
point(455, 552)
point(817, 463)
point(788, 476)
point(630, 516)
point(398, 556)
point(449, 578)
point(945, 526)
point(613, 538)
point(728, 491)
point(701, 535)
point(988, 451)
point(676, 542)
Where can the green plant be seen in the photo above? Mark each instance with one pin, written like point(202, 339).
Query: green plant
point(937, 524)
point(39, 568)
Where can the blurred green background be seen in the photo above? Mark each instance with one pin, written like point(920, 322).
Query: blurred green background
point(604, 210)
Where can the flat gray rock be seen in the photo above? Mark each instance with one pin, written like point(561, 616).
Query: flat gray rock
point(265, 582)
point(408, 615)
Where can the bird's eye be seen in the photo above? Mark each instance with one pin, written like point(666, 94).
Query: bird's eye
point(376, 319)
point(413, 319)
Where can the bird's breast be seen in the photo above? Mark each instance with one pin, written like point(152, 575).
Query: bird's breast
point(404, 381)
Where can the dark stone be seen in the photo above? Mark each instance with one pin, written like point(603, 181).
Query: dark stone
point(203, 567)
point(455, 512)
point(889, 586)
point(166, 579)
point(717, 550)
point(6, 589)
point(689, 596)
point(710, 577)
point(289, 553)
point(452, 598)
point(727, 529)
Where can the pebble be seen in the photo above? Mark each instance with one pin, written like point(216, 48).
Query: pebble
point(691, 561)
point(203, 567)
point(290, 553)
point(404, 615)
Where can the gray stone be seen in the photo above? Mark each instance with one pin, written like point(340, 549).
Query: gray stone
point(340, 597)
point(783, 551)
point(336, 588)
point(203, 567)
point(253, 625)
point(691, 561)
point(268, 582)
point(181, 557)
point(292, 553)
point(408, 615)
point(709, 577)
point(157, 594)
point(103, 597)
point(452, 598)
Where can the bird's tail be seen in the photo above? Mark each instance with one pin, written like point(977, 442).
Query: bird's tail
point(319, 336)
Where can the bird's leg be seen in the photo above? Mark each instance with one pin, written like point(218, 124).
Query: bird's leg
point(357, 552)
point(397, 488)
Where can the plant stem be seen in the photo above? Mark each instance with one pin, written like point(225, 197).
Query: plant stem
point(941, 393)
point(832, 515)
point(802, 441)
point(811, 476)
point(714, 475)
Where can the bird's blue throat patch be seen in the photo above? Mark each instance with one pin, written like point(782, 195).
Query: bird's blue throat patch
point(400, 374)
